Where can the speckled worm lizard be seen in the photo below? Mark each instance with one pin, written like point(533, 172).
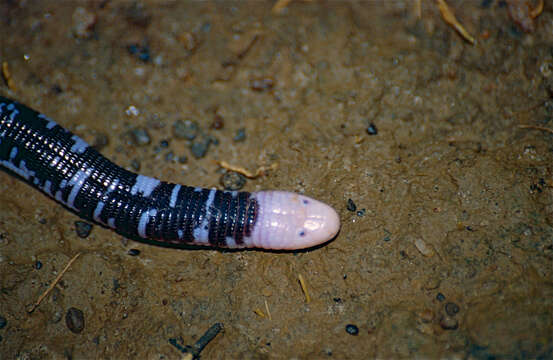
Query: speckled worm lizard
point(63, 166)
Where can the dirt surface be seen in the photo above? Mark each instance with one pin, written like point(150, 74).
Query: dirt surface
point(448, 252)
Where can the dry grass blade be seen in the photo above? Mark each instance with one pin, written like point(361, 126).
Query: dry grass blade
point(53, 284)
point(449, 17)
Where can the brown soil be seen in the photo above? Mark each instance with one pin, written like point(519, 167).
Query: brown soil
point(448, 253)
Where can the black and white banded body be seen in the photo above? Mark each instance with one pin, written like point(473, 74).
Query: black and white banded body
point(66, 168)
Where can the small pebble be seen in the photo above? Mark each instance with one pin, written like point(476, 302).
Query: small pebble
point(83, 229)
point(56, 89)
point(170, 156)
point(142, 52)
point(116, 285)
point(38, 265)
point(351, 205)
point(440, 297)
point(361, 212)
point(140, 137)
point(424, 249)
point(486, 3)
point(449, 323)
point(240, 135)
point(218, 122)
point(426, 315)
point(206, 27)
point(83, 23)
point(137, 14)
point(262, 84)
point(352, 329)
point(187, 129)
point(188, 40)
point(3, 322)
point(74, 319)
point(133, 252)
point(135, 164)
point(212, 140)
point(101, 140)
point(432, 284)
point(451, 308)
point(372, 130)
point(57, 316)
point(182, 159)
point(199, 148)
point(232, 181)
point(163, 144)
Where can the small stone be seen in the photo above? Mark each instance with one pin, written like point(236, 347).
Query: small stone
point(188, 40)
point(451, 308)
point(232, 181)
point(187, 129)
point(424, 249)
point(83, 23)
point(351, 205)
point(262, 84)
point(163, 144)
point(426, 315)
point(352, 329)
point(133, 252)
point(218, 122)
point(142, 52)
point(199, 148)
point(137, 14)
point(56, 89)
point(372, 130)
point(440, 297)
point(101, 140)
point(83, 229)
point(170, 156)
point(74, 319)
point(449, 323)
point(212, 140)
point(425, 328)
point(486, 3)
point(57, 316)
point(432, 283)
point(3, 322)
point(140, 137)
point(240, 135)
point(182, 159)
point(135, 164)
point(38, 265)
point(361, 212)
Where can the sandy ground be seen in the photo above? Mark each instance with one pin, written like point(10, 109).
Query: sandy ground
point(448, 252)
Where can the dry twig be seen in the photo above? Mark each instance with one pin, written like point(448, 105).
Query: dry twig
point(8, 76)
point(304, 289)
point(449, 17)
point(260, 171)
point(542, 128)
point(53, 284)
